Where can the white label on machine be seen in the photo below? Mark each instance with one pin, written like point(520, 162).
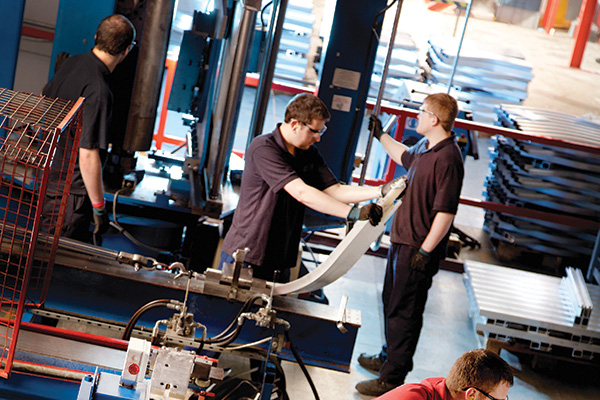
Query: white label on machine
point(346, 79)
point(341, 103)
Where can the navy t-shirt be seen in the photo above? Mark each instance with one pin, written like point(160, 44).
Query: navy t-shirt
point(434, 183)
point(267, 219)
point(84, 75)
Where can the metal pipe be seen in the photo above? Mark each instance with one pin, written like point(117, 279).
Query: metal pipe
point(267, 69)
point(149, 75)
point(236, 84)
point(377, 108)
point(462, 36)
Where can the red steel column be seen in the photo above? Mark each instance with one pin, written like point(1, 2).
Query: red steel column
point(582, 33)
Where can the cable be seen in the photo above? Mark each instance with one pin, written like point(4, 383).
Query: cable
point(262, 12)
point(383, 10)
point(119, 227)
point(363, 90)
point(301, 364)
point(136, 316)
point(256, 343)
point(224, 335)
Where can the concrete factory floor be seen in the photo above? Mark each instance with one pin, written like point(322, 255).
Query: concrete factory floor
point(447, 330)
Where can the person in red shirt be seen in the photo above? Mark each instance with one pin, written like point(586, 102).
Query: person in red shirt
point(476, 375)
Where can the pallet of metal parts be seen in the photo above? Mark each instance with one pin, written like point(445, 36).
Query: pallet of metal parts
point(548, 178)
point(545, 177)
point(552, 124)
point(523, 307)
point(486, 78)
point(404, 66)
point(537, 237)
point(545, 238)
point(295, 42)
point(546, 195)
point(36, 138)
point(404, 62)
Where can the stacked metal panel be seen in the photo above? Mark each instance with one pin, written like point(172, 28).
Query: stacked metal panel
point(546, 178)
point(544, 313)
point(404, 66)
point(294, 47)
point(485, 78)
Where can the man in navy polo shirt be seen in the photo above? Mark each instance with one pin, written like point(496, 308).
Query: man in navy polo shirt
point(283, 174)
point(85, 75)
point(419, 236)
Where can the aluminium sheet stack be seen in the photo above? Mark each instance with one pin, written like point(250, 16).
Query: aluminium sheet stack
point(530, 309)
point(404, 66)
point(546, 178)
point(486, 77)
point(294, 47)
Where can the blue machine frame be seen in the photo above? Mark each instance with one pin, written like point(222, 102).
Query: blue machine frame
point(345, 80)
point(11, 21)
point(77, 38)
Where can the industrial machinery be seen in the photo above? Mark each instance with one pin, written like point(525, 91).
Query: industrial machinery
point(100, 289)
point(151, 292)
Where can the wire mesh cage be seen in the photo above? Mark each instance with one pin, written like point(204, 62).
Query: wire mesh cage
point(37, 136)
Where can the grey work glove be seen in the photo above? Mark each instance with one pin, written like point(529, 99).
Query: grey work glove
point(385, 188)
point(420, 259)
point(372, 212)
point(375, 126)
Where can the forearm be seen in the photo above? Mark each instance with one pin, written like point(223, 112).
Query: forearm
point(441, 224)
point(394, 148)
point(316, 199)
point(352, 193)
point(91, 172)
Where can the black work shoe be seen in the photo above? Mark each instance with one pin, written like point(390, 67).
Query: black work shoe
point(374, 387)
point(372, 363)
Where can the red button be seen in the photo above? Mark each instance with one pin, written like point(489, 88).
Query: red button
point(134, 369)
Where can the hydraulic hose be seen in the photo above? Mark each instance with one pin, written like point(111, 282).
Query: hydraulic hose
point(301, 364)
point(224, 336)
point(136, 316)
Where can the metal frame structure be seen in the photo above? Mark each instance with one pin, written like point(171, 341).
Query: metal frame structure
point(36, 136)
point(548, 314)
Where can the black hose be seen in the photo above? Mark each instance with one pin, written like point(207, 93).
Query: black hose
point(136, 316)
point(301, 364)
point(363, 91)
point(262, 12)
point(115, 224)
point(224, 338)
point(244, 308)
point(282, 384)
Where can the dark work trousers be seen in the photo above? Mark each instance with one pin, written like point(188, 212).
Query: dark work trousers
point(404, 297)
point(78, 216)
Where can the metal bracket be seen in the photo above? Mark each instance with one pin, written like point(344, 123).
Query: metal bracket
point(342, 315)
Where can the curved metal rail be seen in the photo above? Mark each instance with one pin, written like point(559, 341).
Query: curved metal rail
point(347, 253)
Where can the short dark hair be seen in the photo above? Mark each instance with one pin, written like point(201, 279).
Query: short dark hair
point(305, 107)
point(445, 107)
point(114, 34)
point(478, 368)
